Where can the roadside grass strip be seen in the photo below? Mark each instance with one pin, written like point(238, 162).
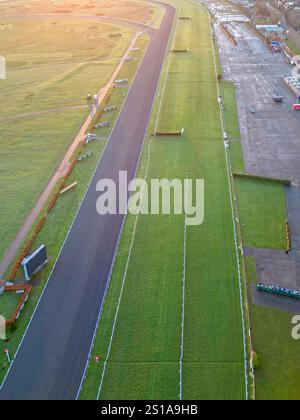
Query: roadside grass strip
point(147, 343)
point(262, 210)
point(232, 126)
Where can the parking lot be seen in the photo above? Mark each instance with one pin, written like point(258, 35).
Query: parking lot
point(271, 144)
point(270, 137)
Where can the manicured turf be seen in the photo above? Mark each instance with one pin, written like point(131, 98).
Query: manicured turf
point(145, 351)
point(43, 74)
point(263, 213)
point(278, 377)
point(293, 47)
point(136, 10)
point(232, 126)
point(262, 207)
point(230, 110)
point(59, 221)
point(27, 160)
point(8, 304)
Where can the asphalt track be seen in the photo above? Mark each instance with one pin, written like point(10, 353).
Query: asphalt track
point(52, 357)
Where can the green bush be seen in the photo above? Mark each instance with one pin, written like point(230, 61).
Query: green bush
point(256, 361)
point(13, 327)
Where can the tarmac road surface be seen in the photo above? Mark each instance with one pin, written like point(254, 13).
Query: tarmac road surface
point(271, 147)
point(270, 138)
point(52, 357)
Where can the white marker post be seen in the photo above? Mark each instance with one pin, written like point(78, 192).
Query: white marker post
point(2, 328)
point(2, 68)
point(6, 351)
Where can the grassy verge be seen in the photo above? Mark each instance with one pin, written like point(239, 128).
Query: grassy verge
point(262, 211)
point(232, 126)
point(292, 46)
point(58, 222)
point(8, 303)
point(145, 351)
point(277, 378)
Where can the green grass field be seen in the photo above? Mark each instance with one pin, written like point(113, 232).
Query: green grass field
point(136, 10)
point(144, 359)
point(8, 304)
point(232, 126)
point(45, 74)
point(277, 378)
point(262, 210)
point(58, 222)
point(293, 47)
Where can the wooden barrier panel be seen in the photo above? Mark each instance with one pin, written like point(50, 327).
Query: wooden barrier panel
point(169, 134)
point(26, 249)
point(20, 259)
point(181, 51)
point(229, 35)
point(69, 188)
point(40, 224)
point(26, 290)
point(61, 185)
point(261, 178)
point(52, 202)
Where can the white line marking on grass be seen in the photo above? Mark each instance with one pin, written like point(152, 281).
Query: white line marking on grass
point(135, 225)
point(183, 303)
point(119, 237)
point(67, 237)
point(229, 174)
point(167, 72)
point(124, 280)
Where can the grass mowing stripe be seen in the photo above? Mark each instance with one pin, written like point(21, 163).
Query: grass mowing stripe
point(262, 209)
point(166, 78)
point(121, 251)
point(133, 235)
point(183, 300)
point(146, 347)
point(229, 172)
point(124, 279)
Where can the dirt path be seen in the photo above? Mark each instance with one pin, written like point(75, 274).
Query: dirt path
point(61, 170)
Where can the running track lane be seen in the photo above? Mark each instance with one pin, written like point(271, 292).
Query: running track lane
point(51, 360)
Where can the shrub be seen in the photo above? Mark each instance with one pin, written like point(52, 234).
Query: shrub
point(256, 360)
point(13, 327)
